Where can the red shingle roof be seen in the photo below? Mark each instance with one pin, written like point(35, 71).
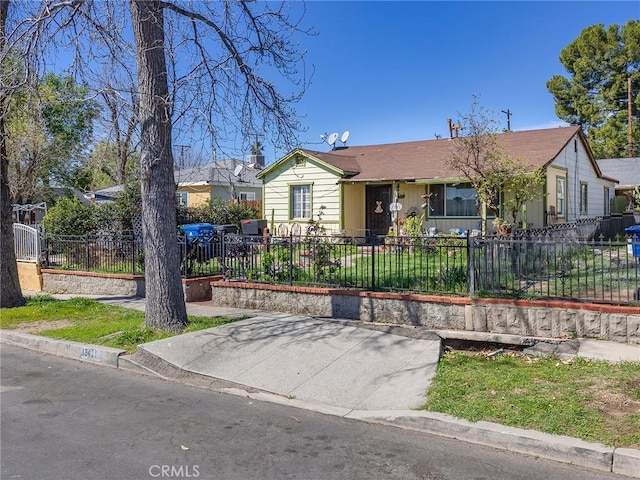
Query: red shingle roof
point(426, 159)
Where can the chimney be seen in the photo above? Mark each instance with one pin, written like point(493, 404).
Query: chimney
point(256, 160)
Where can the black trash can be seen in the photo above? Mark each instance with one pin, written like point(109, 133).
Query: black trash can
point(253, 227)
point(226, 229)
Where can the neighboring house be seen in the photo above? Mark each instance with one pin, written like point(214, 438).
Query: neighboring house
point(104, 195)
point(228, 179)
point(32, 214)
point(358, 185)
point(627, 171)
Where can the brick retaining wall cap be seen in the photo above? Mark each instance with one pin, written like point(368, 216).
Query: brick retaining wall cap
point(93, 274)
point(343, 292)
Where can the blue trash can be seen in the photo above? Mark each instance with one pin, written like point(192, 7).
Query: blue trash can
point(194, 230)
point(202, 232)
point(634, 232)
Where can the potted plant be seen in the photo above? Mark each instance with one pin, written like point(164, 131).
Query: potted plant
point(502, 226)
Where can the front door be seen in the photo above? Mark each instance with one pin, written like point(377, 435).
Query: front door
point(378, 199)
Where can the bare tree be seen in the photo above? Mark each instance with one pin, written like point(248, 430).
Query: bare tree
point(122, 124)
point(502, 183)
point(478, 156)
point(10, 292)
point(209, 68)
point(165, 306)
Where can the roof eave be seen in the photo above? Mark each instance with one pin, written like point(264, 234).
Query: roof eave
point(298, 151)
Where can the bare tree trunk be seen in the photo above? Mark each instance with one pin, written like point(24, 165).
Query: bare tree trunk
point(165, 301)
point(10, 292)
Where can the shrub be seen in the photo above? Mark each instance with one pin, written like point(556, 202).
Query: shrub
point(69, 217)
point(128, 206)
point(413, 226)
point(219, 212)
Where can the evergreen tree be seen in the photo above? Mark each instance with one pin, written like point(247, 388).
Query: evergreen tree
point(601, 63)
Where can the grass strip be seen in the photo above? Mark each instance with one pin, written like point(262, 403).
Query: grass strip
point(88, 321)
point(591, 400)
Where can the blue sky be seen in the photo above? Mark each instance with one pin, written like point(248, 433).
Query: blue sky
point(391, 71)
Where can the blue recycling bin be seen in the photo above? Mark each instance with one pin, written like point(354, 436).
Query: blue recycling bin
point(203, 232)
point(195, 230)
point(634, 232)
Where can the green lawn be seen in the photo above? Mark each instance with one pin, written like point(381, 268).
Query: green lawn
point(591, 400)
point(85, 320)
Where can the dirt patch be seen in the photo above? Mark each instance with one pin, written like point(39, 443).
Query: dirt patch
point(36, 327)
point(617, 408)
point(614, 403)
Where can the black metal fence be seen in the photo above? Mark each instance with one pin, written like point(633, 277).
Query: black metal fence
point(95, 253)
point(516, 267)
point(556, 268)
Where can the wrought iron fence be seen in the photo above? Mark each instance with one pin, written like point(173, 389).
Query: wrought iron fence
point(95, 253)
point(533, 267)
point(568, 268)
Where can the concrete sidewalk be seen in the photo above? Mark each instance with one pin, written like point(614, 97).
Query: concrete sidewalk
point(342, 368)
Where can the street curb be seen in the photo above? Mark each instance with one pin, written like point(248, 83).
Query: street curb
point(626, 461)
point(623, 461)
point(64, 348)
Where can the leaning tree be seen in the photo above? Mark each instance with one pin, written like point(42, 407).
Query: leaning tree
point(214, 69)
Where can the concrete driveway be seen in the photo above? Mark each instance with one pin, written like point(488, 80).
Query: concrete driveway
point(322, 361)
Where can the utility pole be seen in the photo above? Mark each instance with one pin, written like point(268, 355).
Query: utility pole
point(630, 118)
point(508, 113)
point(182, 158)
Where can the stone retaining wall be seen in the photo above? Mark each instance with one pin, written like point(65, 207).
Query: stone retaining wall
point(89, 283)
point(518, 317)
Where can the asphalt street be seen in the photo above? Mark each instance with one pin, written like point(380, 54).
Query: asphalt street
point(66, 419)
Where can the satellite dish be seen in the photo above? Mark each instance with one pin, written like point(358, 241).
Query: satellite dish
point(237, 171)
point(332, 139)
point(344, 137)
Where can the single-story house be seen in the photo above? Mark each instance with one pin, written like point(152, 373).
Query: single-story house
point(363, 190)
point(228, 179)
point(627, 170)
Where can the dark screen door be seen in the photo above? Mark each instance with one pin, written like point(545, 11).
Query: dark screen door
point(378, 198)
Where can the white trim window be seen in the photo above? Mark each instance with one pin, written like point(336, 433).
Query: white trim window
point(300, 201)
point(182, 198)
point(247, 196)
point(560, 196)
point(584, 198)
point(607, 201)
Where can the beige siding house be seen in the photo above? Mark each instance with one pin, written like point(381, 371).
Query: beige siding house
point(228, 179)
point(367, 189)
